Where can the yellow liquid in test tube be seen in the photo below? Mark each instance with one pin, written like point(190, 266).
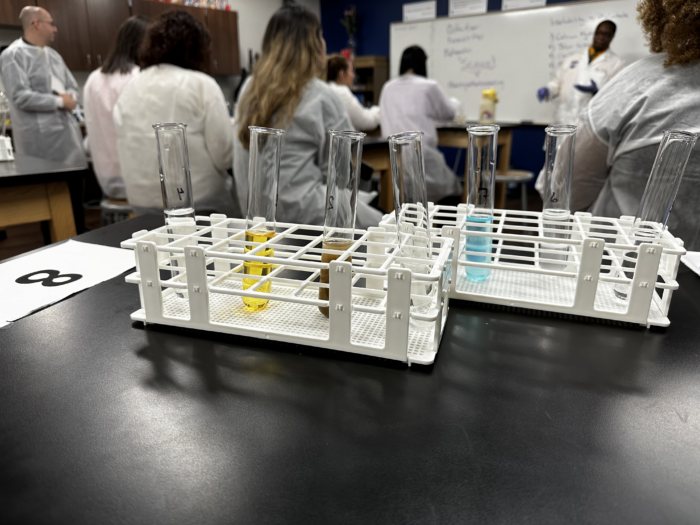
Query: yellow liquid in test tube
point(257, 268)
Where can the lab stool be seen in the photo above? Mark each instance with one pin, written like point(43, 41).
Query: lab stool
point(521, 177)
point(113, 211)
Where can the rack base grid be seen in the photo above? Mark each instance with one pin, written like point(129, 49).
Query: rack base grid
point(380, 303)
point(581, 266)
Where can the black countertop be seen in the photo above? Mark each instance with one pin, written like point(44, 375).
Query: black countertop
point(31, 170)
point(522, 419)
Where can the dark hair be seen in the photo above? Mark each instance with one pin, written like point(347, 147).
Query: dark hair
point(610, 23)
point(414, 58)
point(179, 39)
point(336, 64)
point(125, 50)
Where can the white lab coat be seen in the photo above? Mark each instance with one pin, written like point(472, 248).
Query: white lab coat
point(619, 135)
point(576, 70)
point(99, 98)
point(362, 118)
point(415, 103)
point(39, 127)
point(304, 162)
point(167, 93)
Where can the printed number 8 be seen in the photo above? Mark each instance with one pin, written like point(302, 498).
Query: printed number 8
point(51, 280)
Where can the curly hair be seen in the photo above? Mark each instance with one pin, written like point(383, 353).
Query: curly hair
point(179, 39)
point(672, 26)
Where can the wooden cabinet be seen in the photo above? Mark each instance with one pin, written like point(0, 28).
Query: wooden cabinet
point(73, 36)
point(223, 26)
point(153, 10)
point(9, 11)
point(106, 17)
point(371, 72)
point(86, 29)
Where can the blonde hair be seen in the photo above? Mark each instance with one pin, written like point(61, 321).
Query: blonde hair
point(672, 26)
point(292, 55)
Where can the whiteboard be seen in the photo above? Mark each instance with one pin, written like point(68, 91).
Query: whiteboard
point(516, 52)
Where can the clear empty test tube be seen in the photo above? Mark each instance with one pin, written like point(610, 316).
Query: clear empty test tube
point(263, 179)
point(175, 185)
point(412, 218)
point(657, 201)
point(345, 158)
point(556, 209)
point(481, 183)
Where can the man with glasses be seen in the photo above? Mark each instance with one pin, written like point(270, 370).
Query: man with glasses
point(42, 92)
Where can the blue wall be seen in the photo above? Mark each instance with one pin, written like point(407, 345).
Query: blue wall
point(374, 20)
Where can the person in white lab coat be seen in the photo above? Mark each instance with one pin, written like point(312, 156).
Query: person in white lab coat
point(413, 102)
point(619, 132)
point(285, 93)
point(171, 87)
point(100, 95)
point(581, 75)
point(42, 93)
point(340, 76)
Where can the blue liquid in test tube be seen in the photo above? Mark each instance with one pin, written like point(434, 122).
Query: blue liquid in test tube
point(481, 179)
point(479, 244)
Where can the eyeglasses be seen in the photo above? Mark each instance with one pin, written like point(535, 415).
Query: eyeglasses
point(50, 22)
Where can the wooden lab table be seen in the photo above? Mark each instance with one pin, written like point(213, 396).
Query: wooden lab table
point(35, 190)
point(375, 152)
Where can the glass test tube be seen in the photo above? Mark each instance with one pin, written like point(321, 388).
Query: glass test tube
point(345, 158)
point(263, 179)
point(175, 184)
point(412, 219)
point(556, 209)
point(481, 181)
point(659, 196)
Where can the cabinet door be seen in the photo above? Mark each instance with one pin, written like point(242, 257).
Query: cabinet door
point(106, 17)
point(9, 11)
point(73, 37)
point(225, 57)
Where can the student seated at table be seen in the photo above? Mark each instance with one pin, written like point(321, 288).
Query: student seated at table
point(101, 92)
point(413, 102)
point(285, 92)
point(340, 75)
point(172, 87)
point(619, 132)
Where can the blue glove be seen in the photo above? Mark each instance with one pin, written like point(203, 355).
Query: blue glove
point(592, 89)
point(542, 94)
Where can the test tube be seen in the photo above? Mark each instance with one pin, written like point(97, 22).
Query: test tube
point(412, 218)
point(263, 179)
point(659, 196)
point(345, 158)
point(175, 185)
point(558, 168)
point(481, 180)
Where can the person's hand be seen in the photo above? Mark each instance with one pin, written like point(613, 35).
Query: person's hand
point(69, 102)
point(592, 89)
point(542, 94)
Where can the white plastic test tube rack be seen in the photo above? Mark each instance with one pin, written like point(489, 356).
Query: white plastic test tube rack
point(369, 302)
point(583, 284)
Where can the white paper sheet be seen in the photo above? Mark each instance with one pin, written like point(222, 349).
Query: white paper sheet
point(47, 276)
point(692, 261)
point(419, 11)
point(467, 7)
point(522, 4)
